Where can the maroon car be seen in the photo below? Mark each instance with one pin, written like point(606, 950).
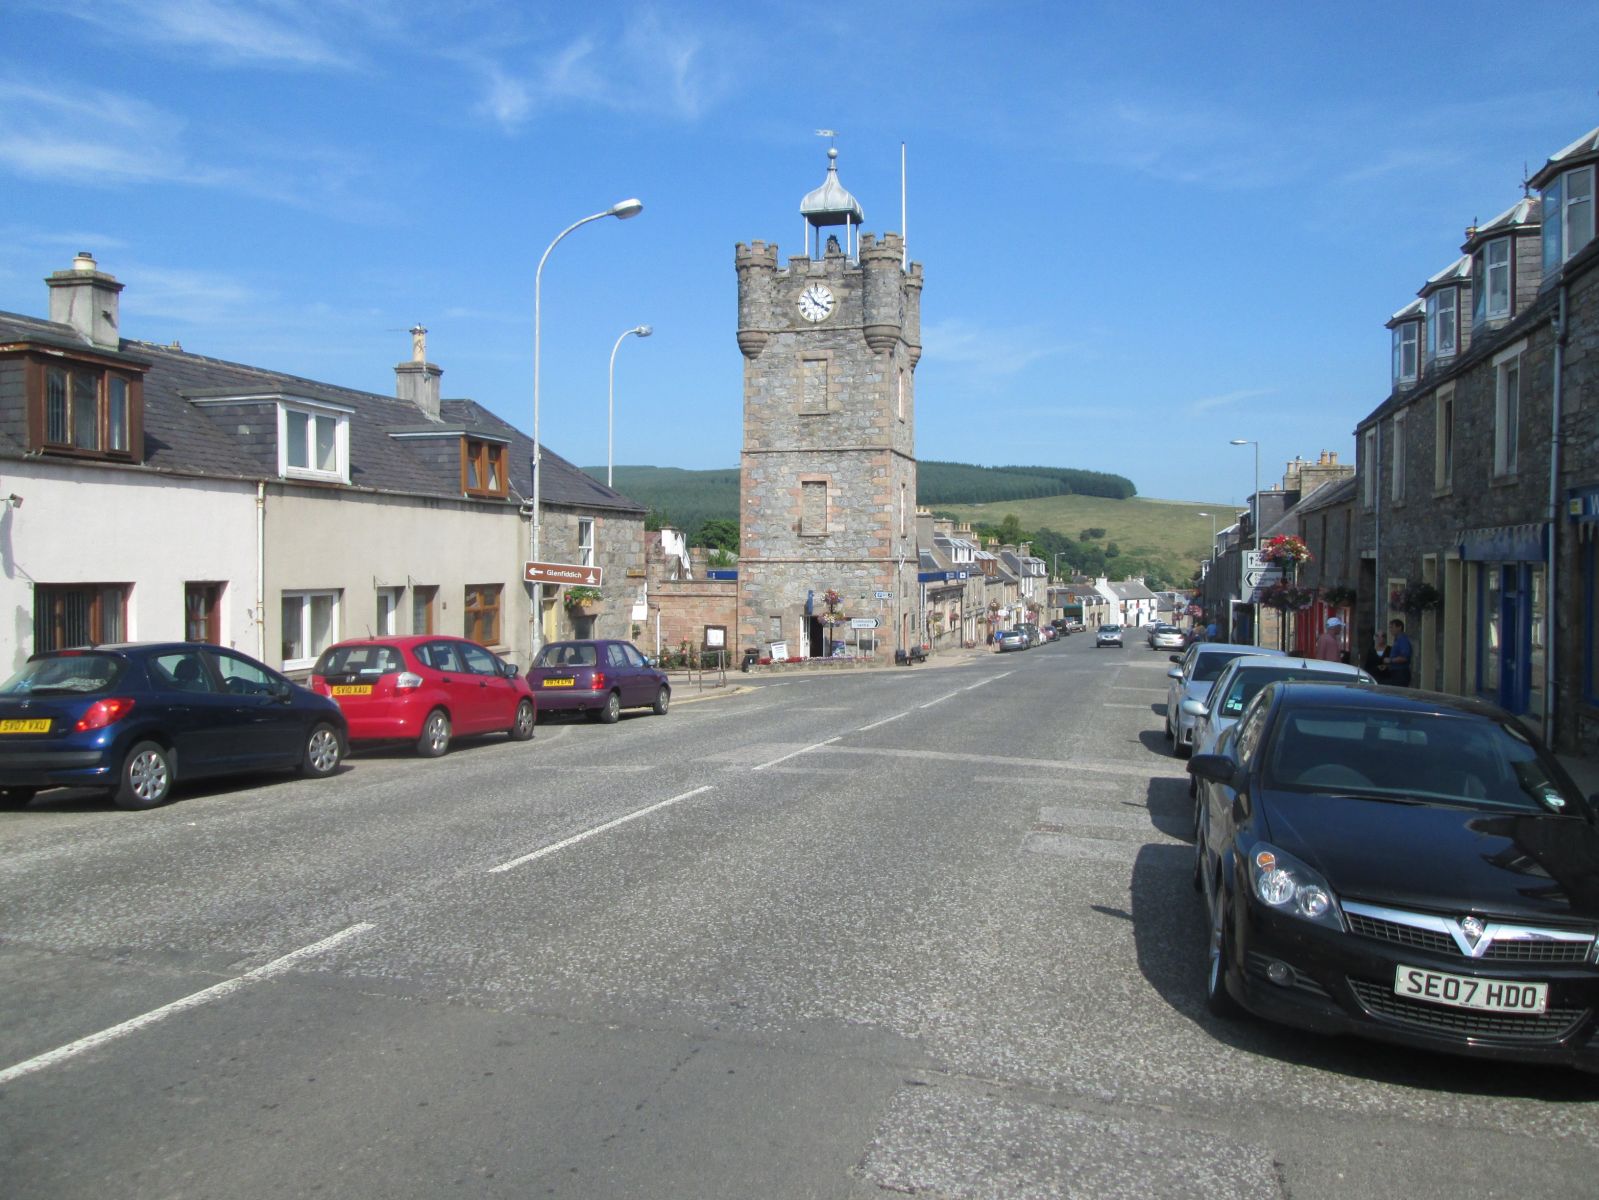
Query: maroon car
point(424, 689)
point(599, 678)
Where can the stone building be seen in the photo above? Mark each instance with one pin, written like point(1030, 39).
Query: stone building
point(828, 469)
point(1479, 473)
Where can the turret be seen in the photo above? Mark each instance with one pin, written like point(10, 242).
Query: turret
point(757, 266)
point(883, 315)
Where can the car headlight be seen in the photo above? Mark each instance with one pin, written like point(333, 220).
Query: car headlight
point(1282, 882)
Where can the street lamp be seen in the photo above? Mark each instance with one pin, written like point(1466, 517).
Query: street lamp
point(1255, 520)
point(622, 210)
point(642, 331)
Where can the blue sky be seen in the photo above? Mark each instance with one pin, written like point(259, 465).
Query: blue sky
point(1146, 228)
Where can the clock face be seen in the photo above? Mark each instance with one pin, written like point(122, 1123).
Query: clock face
point(816, 302)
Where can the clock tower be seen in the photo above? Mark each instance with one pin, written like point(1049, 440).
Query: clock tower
point(827, 497)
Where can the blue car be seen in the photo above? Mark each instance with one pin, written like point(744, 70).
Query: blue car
point(136, 719)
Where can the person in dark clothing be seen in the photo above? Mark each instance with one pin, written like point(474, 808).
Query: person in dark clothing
point(1399, 652)
point(1375, 661)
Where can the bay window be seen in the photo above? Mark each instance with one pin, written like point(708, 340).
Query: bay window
point(84, 408)
point(1490, 267)
point(1442, 327)
point(1568, 221)
point(1405, 341)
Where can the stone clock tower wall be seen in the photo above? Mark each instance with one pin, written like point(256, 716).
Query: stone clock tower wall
point(828, 468)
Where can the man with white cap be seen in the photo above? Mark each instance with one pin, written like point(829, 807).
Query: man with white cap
point(1328, 645)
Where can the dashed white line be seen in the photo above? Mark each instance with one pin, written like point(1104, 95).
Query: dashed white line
point(796, 753)
point(598, 829)
point(276, 967)
point(990, 679)
point(884, 721)
point(940, 700)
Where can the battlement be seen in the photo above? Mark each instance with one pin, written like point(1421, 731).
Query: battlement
point(756, 254)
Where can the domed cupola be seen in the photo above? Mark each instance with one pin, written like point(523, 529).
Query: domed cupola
point(831, 204)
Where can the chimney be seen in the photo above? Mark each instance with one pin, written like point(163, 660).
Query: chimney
point(86, 299)
point(418, 380)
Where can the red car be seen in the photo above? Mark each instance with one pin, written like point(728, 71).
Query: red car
point(424, 689)
point(598, 678)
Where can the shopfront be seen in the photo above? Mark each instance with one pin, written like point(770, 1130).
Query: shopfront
point(1507, 579)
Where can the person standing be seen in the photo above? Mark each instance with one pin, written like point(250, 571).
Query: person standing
point(1398, 662)
point(1330, 646)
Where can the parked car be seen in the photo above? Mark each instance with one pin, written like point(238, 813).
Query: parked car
point(136, 719)
point(599, 678)
point(426, 689)
point(1108, 635)
point(1034, 637)
point(1244, 676)
point(1401, 865)
point(1011, 639)
point(1166, 637)
point(1050, 633)
point(1073, 625)
point(1197, 668)
point(1061, 626)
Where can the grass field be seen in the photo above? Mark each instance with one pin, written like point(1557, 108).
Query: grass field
point(1171, 530)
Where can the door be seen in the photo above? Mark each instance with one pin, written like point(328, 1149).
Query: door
point(496, 695)
point(265, 727)
point(199, 718)
point(457, 683)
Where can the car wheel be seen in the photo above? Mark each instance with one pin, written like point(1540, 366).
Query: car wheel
point(1199, 855)
point(16, 797)
point(323, 750)
point(146, 779)
point(1218, 999)
point(662, 699)
point(612, 710)
point(526, 718)
point(435, 739)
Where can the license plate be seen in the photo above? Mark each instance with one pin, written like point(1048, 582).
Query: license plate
point(559, 682)
point(35, 726)
point(1467, 991)
point(352, 689)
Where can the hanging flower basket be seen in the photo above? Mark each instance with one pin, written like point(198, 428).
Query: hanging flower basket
point(1285, 548)
point(1339, 597)
point(583, 601)
point(1416, 598)
point(1285, 597)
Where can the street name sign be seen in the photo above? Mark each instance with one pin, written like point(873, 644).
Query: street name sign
point(863, 622)
point(881, 595)
point(1259, 574)
point(571, 573)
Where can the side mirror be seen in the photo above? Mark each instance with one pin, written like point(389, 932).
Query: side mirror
point(512, 670)
point(1195, 708)
point(1176, 658)
point(1174, 673)
point(1217, 768)
point(283, 691)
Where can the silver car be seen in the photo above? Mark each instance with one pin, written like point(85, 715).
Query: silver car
point(1167, 637)
point(1197, 668)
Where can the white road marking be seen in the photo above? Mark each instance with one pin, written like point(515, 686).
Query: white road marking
point(1143, 707)
point(598, 829)
point(940, 700)
point(796, 753)
point(884, 721)
point(226, 988)
point(990, 679)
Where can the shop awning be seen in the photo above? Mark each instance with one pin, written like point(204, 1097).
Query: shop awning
point(1504, 543)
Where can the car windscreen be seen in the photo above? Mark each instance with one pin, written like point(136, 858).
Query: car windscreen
point(1208, 667)
point(1247, 682)
point(66, 674)
point(359, 660)
point(561, 654)
point(1415, 756)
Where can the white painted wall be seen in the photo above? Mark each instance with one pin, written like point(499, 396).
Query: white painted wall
point(92, 524)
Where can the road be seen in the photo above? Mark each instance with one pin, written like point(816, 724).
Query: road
point(922, 931)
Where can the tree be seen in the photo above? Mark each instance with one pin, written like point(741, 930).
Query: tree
point(1090, 535)
point(1112, 550)
point(718, 534)
point(1010, 530)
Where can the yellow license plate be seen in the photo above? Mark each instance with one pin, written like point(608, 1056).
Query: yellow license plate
point(25, 726)
point(352, 689)
point(559, 682)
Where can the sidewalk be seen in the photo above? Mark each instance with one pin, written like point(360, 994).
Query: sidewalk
point(1584, 770)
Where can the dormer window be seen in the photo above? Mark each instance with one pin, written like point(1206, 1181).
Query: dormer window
point(483, 467)
point(313, 441)
point(83, 409)
point(1443, 326)
point(1406, 338)
point(1491, 268)
point(1568, 223)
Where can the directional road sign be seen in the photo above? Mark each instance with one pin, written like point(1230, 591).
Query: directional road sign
point(1259, 574)
point(572, 573)
point(880, 595)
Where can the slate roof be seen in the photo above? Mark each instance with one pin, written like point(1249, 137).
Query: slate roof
point(184, 434)
point(1585, 147)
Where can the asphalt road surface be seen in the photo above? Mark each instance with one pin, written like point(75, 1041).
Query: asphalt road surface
point(919, 931)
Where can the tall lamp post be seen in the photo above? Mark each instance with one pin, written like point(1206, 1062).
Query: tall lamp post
point(1207, 582)
point(1254, 632)
point(642, 331)
point(622, 210)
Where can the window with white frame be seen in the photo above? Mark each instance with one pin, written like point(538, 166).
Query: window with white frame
point(388, 614)
point(310, 626)
point(313, 442)
point(585, 541)
point(1396, 450)
point(1507, 409)
point(1491, 269)
point(1368, 468)
point(1568, 220)
point(1442, 326)
point(1405, 340)
point(1443, 442)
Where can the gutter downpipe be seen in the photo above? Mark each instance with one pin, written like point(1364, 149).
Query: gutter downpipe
point(1550, 603)
point(260, 569)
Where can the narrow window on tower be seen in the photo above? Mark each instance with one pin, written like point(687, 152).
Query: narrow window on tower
point(813, 507)
point(813, 385)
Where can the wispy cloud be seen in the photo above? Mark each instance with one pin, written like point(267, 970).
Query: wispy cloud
point(279, 32)
point(985, 352)
point(1207, 404)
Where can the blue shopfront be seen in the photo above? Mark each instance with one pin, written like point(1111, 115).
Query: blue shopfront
point(1509, 564)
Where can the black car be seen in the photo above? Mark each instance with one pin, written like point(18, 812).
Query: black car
point(136, 719)
point(1401, 865)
